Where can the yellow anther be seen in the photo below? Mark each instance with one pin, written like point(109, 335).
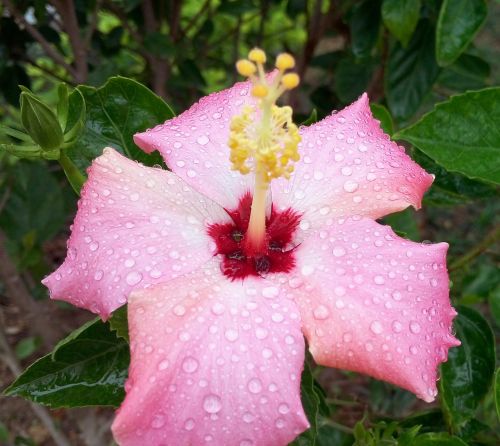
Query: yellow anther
point(260, 91)
point(257, 55)
point(245, 67)
point(290, 80)
point(285, 61)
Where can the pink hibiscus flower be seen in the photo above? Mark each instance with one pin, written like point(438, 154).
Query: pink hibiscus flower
point(225, 273)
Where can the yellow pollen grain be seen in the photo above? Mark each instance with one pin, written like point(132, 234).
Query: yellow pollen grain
point(290, 80)
point(260, 91)
point(285, 61)
point(257, 55)
point(245, 67)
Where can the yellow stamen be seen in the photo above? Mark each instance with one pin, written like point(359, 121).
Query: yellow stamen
point(260, 91)
point(263, 139)
point(290, 81)
point(257, 55)
point(245, 67)
point(285, 61)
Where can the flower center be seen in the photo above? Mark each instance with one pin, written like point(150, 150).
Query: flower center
point(263, 139)
point(240, 261)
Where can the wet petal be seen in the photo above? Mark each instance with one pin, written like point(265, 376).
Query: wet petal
point(375, 303)
point(349, 167)
point(212, 361)
point(194, 145)
point(135, 226)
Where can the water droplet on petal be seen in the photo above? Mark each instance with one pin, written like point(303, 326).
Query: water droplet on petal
point(189, 424)
point(376, 327)
point(321, 312)
point(283, 408)
point(415, 327)
point(190, 364)
point(254, 385)
point(133, 278)
point(231, 335)
point(351, 186)
point(212, 403)
point(158, 421)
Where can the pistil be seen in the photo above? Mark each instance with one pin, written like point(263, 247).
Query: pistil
point(264, 139)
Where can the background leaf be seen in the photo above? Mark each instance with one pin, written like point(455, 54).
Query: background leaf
point(116, 111)
point(461, 135)
point(401, 18)
point(411, 72)
point(86, 369)
point(467, 375)
point(459, 21)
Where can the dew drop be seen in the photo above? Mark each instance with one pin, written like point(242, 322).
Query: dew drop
point(158, 421)
point(231, 335)
point(212, 403)
point(351, 186)
point(189, 424)
point(321, 312)
point(376, 327)
point(254, 385)
point(133, 278)
point(283, 408)
point(190, 364)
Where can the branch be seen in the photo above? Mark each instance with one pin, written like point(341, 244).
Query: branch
point(18, 292)
point(67, 10)
point(9, 358)
point(49, 50)
point(491, 238)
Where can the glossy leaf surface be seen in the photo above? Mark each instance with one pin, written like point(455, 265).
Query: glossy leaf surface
point(467, 375)
point(87, 368)
point(458, 23)
point(114, 112)
point(454, 134)
point(411, 72)
point(401, 18)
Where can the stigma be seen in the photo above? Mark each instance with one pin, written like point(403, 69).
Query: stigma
point(263, 138)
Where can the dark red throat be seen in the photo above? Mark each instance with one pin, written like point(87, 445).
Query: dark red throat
point(277, 255)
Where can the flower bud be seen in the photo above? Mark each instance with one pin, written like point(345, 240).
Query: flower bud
point(40, 122)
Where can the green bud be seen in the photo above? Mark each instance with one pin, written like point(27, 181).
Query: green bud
point(40, 122)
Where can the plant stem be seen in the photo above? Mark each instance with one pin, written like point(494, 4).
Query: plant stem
point(492, 237)
point(75, 177)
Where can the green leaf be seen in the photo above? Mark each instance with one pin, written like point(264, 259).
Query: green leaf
point(365, 27)
point(401, 18)
point(382, 114)
point(119, 322)
point(26, 347)
point(23, 213)
point(87, 368)
point(411, 72)
point(467, 375)
point(4, 433)
point(468, 72)
point(497, 392)
point(452, 188)
point(462, 134)
point(75, 120)
point(313, 402)
point(114, 112)
point(458, 23)
point(437, 439)
point(352, 77)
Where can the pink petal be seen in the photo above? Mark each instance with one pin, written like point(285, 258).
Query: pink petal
point(213, 361)
point(194, 145)
point(349, 166)
point(135, 226)
point(375, 303)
